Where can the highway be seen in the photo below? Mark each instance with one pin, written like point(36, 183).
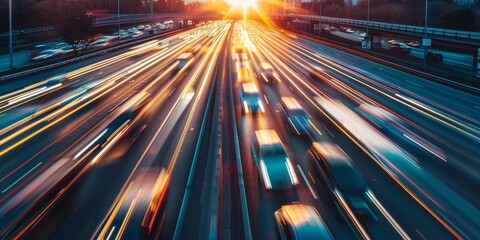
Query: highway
point(158, 141)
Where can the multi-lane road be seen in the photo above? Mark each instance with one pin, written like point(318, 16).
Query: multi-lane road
point(158, 142)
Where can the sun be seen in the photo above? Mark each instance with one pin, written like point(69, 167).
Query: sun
point(244, 3)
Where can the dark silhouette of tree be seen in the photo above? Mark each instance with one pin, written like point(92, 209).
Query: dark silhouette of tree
point(74, 25)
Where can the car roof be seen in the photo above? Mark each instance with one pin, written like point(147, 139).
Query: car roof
point(306, 222)
point(331, 152)
point(267, 137)
point(250, 87)
point(291, 103)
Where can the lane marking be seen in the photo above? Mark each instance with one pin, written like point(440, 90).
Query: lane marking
point(308, 183)
point(414, 83)
point(387, 215)
point(23, 176)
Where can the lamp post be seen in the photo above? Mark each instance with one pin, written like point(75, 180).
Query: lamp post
point(151, 11)
point(368, 16)
point(118, 21)
point(11, 32)
point(425, 47)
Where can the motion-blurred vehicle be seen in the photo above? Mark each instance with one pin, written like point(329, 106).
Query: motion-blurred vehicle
point(396, 129)
point(183, 60)
point(251, 99)
point(295, 116)
point(196, 48)
point(300, 221)
point(413, 44)
point(141, 27)
point(48, 54)
point(273, 164)
point(160, 26)
point(341, 176)
point(104, 41)
point(244, 74)
point(399, 47)
point(349, 30)
point(434, 57)
point(267, 72)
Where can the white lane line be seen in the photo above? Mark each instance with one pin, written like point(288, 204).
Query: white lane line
point(171, 92)
point(110, 234)
point(419, 233)
point(266, 100)
point(3, 114)
point(23, 176)
point(414, 83)
point(308, 183)
point(387, 215)
point(426, 148)
point(477, 107)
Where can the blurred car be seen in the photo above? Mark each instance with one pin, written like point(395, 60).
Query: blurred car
point(48, 54)
point(183, 59)
point(349, 30)
point(132, 30)
point(413, 44)
point(251, 99)
point(301, 221)
point(399, 47)
point(267, 72)
point(141, 27)
point(434, 57)
point(297, 119)
point(342, 29)
point(341, 176)
point(363, 34)
point(392, 41)
point(244, 74)
point(104, 41)
point(160, 26)
point(273, 163)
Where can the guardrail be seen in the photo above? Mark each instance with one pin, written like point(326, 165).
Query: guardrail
point(111, 19)
point(451, 35)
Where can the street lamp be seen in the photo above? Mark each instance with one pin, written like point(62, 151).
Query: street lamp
point(11, 32)
point(425, 46)
point(118, 21)
point(368, 17)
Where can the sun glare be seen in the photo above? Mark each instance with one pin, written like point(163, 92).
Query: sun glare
point(244, 3)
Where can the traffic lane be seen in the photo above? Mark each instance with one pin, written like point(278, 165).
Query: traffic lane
point(374, 228)
point(452, 157)
point(50, 161)
point(99, 110)
point(455, 102)
point(198, 83)
point(317, 196)
point(88, 83)
point(374, 188)
point(466, 168)
point(116, 166)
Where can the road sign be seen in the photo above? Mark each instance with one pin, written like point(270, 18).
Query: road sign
point(478, 62)
point(366, 44)
point(426, 42)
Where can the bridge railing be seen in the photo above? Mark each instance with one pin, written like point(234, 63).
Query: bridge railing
point(458, 36)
